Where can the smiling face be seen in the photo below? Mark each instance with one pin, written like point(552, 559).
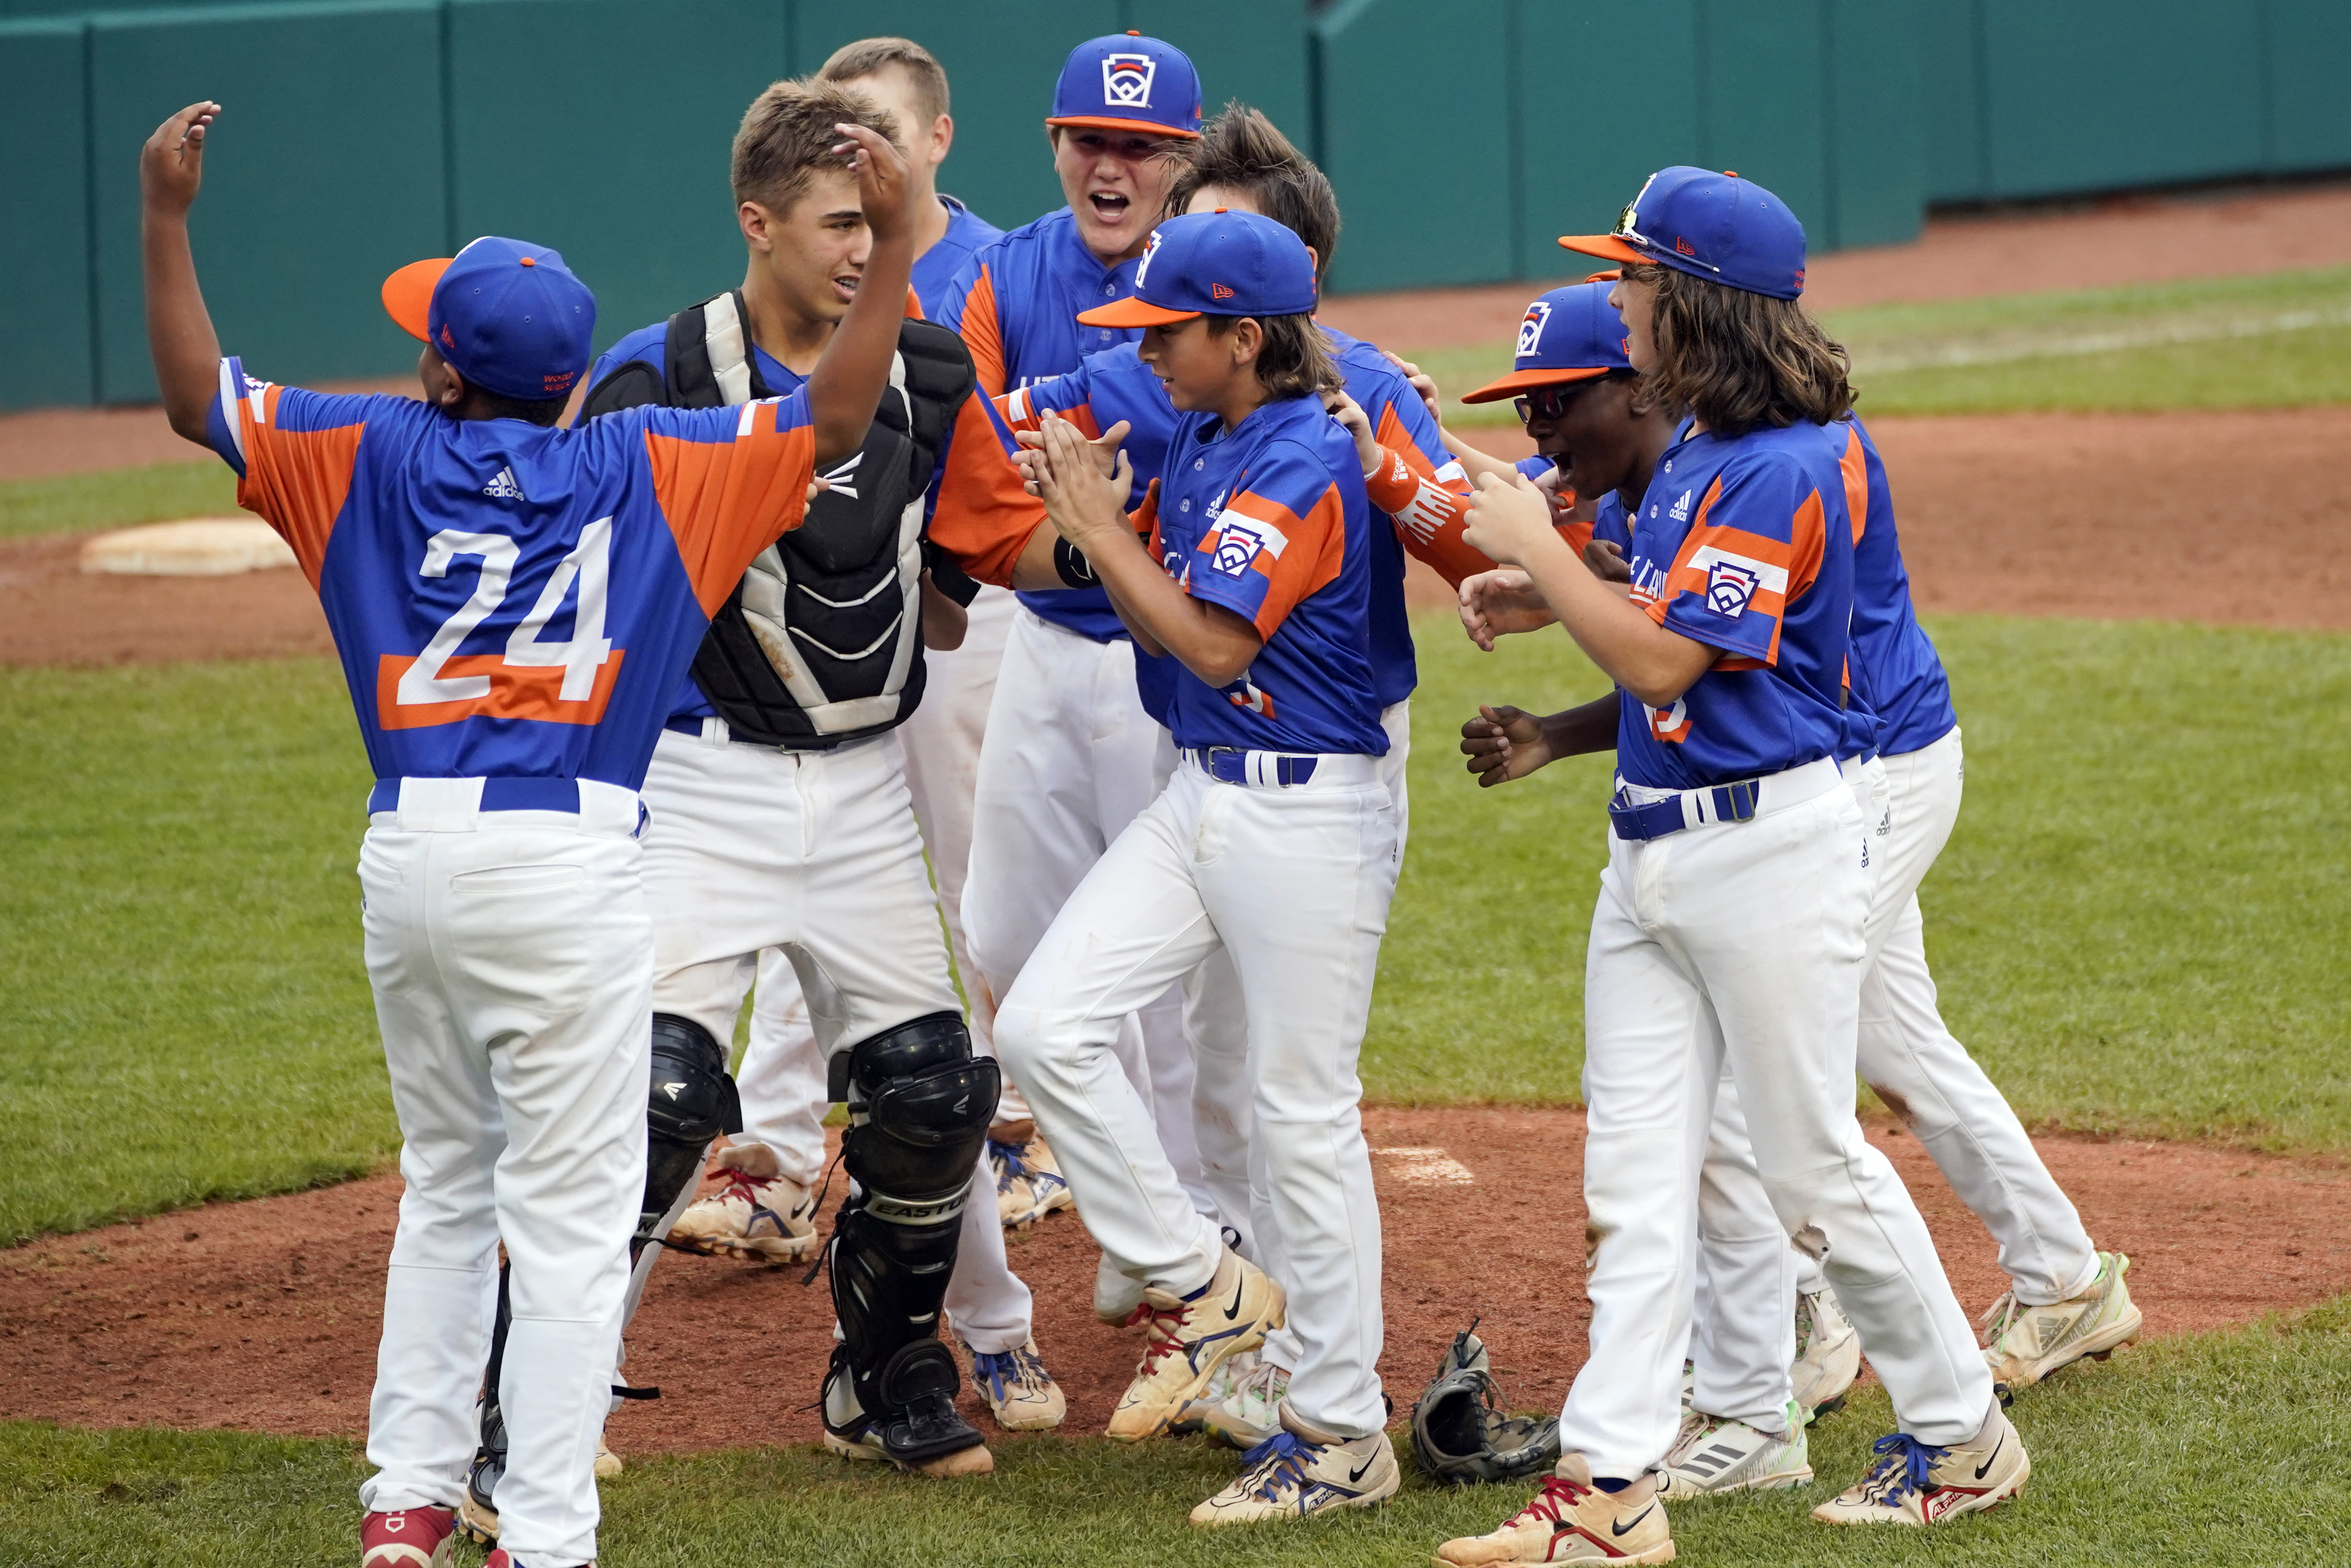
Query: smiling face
point(815, 252)
point(1117, 182)
point(1594, 439)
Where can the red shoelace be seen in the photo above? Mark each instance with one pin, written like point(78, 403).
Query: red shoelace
point(1559, 1496)
point(1159, 1329)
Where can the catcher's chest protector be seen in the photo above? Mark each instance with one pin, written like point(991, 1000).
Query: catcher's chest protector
point(822, 642)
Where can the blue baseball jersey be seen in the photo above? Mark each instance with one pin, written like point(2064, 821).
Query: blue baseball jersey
point(936, 268)
point(1117, 385)
point(1896, 675)
point(1015, 302)
point(1745, 545)
point(1271, 522)
point(651, 344)
point(510, 600)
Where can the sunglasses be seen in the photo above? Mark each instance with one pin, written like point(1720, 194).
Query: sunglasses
point(1639, 241)
point(1549, 403)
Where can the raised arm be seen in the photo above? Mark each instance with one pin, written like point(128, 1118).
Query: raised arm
point(179, 329)
point(848, 380)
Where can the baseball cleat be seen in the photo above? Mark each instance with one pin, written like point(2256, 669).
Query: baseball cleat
point(920, 1431)
point(408, 1538)
point(608, 1463)
point(1571, 1521)
point(1187, 1338)
point(1249, 1411)
point(1021, 1394)
point(1028, 1183)
point(1913, 1482)
point(1299, 1471)
point(1828, 1355)
point(758, 1213)
point(1714, 1454)
point(478, 1516)
point(2024, 1345)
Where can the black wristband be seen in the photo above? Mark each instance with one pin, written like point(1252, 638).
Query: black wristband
point(1071, 565)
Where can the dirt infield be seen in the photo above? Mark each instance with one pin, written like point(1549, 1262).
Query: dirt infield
point(2125, 239)
point(264, 1315)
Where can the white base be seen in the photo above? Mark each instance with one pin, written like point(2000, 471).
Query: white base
point(200, 547)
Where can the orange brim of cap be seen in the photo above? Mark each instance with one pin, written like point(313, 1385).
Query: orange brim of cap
point(1133, 313)
point(1608, 245)
point(1519, 381)
point(1102, 122)
point(408, 296)
point(1611, 276)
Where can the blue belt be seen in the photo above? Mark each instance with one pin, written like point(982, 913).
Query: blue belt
point(1634, 824)
point(1229, 765)
point(497, 795)
point(684, 725)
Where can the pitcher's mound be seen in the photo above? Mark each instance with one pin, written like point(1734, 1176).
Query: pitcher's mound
point(200, 547)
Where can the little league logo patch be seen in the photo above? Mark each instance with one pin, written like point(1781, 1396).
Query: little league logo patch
point(1150, 249)
point(1729, 587)
point(1237, 546)
point(1127, 79)
point(1531, 331)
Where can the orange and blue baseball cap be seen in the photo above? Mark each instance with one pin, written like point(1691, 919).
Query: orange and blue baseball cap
point(1570, 334)
point(1719, 227)
point(510, 317)
point(1129, 82)
point(1214, 264)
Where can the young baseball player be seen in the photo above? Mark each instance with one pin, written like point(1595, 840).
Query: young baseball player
point(804, 258)
point(1243, 164)
point(782, 819)
point(1730, 928)
point(1072, 760)
point(1274, 841)
point(1738, 1433)
point(513, 604)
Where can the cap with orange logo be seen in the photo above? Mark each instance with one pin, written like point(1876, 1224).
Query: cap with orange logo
point(509, 316)
point(1719, 227)
point(1214, 264)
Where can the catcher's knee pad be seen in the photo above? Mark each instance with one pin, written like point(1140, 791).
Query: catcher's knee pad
point(919, 1107)
point(689, 1101)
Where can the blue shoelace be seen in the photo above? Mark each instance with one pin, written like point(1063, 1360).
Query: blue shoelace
point(998, 1368)
point(1915, 1459)
point(1282, 1459)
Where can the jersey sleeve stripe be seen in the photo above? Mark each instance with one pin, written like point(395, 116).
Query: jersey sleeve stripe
point(727, 500)
point(983, 334)
point(297, 480)
point(1854, 465)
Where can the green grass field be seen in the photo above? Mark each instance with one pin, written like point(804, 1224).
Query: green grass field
point(2269, 340)
point(2221, 1449)
point(120, 497)
point(2138, 925)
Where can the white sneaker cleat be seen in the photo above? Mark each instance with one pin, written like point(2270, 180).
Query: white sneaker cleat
point(2024, 1345)
point(1187, 1337)
point(1828, 1355)
point(1913, 1483)
point(1021, 1394)
point(1301, 1472)
point(1028, 1183)
point(1571, 1521)
point(1715, 1455)
point(608, 1463)
point(757, 1214)
point(1248, 1413)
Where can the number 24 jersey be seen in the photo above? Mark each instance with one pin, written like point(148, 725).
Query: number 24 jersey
point(510, 600)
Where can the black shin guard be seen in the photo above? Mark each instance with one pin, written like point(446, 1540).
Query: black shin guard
point(690, 1100)
point(919, 1107)
point(479, 1516)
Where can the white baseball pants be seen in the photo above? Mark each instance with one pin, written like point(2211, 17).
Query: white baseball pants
point(815, 853)
point(1067, 764)
point(511, 958)
point(1908, 1055)
point(1741, 943)
point(1293, 885)
point(1218, 1027)
point(783, 1075)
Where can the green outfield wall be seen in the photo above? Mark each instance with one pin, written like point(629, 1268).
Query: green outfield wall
point(1463, 136)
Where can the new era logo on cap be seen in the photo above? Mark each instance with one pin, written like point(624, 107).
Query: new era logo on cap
point(1219, 291)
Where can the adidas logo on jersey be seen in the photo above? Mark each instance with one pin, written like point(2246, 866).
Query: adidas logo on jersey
point(503, 487)
point(1680, 513)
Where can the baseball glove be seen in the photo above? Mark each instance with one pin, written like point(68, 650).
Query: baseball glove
point(1460, 1433)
